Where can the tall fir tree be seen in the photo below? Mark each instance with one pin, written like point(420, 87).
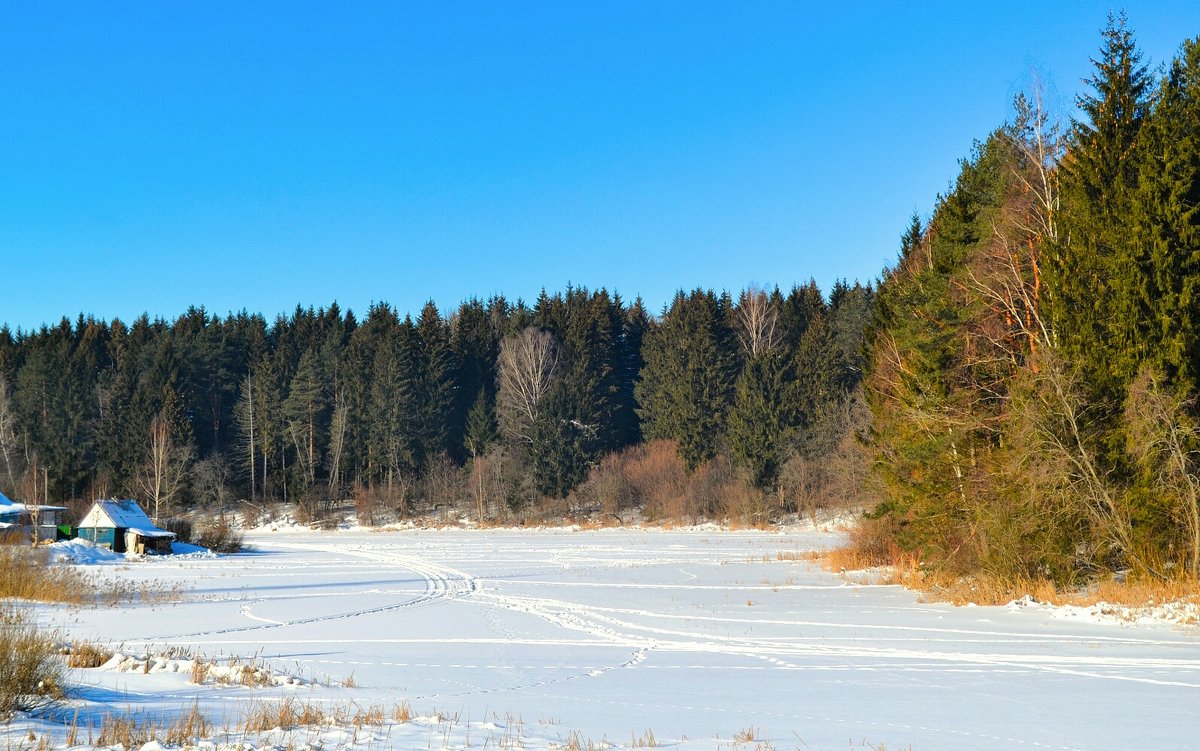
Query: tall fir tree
point(1094, 278)
point(1166, 223)
point(691, 366)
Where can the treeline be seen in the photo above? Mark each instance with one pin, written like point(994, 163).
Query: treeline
point(1035, 363)
point(496, 410)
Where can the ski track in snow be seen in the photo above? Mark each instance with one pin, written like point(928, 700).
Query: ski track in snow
point(661, 637)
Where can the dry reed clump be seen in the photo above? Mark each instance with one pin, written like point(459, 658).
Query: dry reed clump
point(996, 589)
point(372, 716)
point(26, 573)
point(402, 712)
point(86, 655)
point(799, 555)
point(31, 670)
point(871, 545)
point(200, 670)
point(234, 672)
point(189, 726)
point(131, 731)
point(290, 713)
point(287, 714)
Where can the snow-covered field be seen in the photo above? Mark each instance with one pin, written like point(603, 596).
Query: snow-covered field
point(695, 639)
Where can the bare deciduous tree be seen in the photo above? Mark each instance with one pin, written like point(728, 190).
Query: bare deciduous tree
point(1052, 433)
point(245, 420)
point(164, 470)
point(757, 322)
point(526, 369)
point(9, 446)
point(212, 479)
point(1164, 440)
point(1008, 278)
point(337, 444)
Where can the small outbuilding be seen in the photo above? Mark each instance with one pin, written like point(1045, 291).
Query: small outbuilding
point(123, 527)
point(32, 522)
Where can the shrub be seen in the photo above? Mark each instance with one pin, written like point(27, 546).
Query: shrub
point(31, 670)
point(181, 527)
point(871, 543)
point(220, 537)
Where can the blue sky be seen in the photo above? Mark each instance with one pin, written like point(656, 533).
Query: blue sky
point(263, 155)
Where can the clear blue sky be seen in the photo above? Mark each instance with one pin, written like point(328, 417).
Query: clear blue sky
point(258, 155)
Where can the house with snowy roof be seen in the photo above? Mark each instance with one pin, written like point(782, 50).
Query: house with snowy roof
point(123, 527)
point(31, 521)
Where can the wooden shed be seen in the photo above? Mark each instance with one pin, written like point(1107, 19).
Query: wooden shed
point(123, 527)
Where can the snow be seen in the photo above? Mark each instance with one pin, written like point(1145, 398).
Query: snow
point(549, 639)
point(1179, 613)
point(83, 553)
point(188, 549)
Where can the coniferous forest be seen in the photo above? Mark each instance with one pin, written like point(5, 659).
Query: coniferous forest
point(495, 410)
point(1016, 395)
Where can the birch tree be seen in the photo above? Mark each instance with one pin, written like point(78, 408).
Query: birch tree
point(163, 472)
point(9, 447)
point(526, 369)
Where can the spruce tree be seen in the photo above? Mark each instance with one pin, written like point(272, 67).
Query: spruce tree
point(481, 425)
point(1094, 277)
point(687, 385)
point(1166, 222)
point(757, 421)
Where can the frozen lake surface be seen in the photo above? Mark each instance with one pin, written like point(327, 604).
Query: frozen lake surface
point(696, 636)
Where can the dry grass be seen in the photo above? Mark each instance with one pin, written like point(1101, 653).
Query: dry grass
point(86, 655)
point(125, 731)
point(235, 672)
point(190, 725)
point(372, 716)
point(287, 714)
point(985, 589)
point(200, 670)
point(291, 713)
point(402, 712)
point(31, 670)
point(27, 574)
point(187, 727)
point(798, 555)
point(646, 741)
point(870, 546)
point(131, 731)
